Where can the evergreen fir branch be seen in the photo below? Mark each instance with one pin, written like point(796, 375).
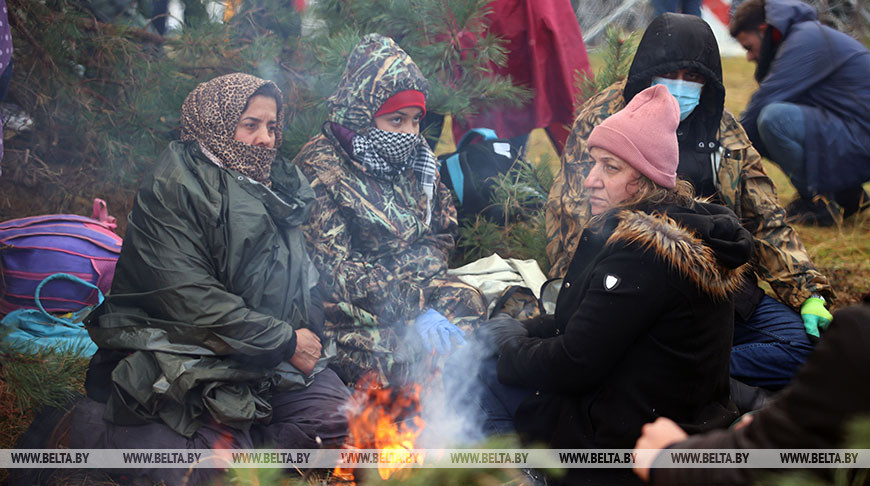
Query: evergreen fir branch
point(331, 51)
point(518, 192)
point(301, 126)
point(528, 240)
point(43, 376)
point(267, 18)
point(521, 194)
point(458, 15)
point(106, 97)
point(617, 53)
point(121, 31)
point(478, 238)
point(461, 80)
point(492, 50)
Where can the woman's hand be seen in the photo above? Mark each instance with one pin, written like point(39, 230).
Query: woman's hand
point(501, 330)
point(307, 351)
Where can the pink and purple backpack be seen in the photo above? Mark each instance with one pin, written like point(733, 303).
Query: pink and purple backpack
point(33, 248)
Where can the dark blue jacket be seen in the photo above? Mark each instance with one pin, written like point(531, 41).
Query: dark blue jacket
point(828, 74)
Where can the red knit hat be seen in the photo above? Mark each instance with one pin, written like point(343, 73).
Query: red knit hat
point(403, 99)
point(644, 134)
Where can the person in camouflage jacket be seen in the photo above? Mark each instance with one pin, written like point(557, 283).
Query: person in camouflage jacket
point(719, 160)
point(379, 237)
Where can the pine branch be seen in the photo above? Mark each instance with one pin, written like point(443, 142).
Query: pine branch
point(43, 376)
point(617, 54)
point(95, 25)
point(16, 23)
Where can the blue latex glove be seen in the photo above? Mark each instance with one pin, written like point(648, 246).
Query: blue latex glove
point(436, 331)
point(815, 316)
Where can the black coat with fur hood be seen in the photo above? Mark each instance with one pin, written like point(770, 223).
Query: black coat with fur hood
point(642, 329)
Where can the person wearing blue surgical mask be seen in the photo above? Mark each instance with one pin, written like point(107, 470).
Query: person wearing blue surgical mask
point(685, 85)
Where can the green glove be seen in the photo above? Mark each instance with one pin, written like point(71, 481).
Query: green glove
point(815, 316)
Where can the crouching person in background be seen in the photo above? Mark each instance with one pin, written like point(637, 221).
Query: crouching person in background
point(211, 335)
point(383, 224)
point(644, 319)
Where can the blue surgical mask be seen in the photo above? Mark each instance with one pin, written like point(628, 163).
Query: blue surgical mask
point(687, 93)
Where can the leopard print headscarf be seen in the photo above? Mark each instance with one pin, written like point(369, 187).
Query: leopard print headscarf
point(210, 115)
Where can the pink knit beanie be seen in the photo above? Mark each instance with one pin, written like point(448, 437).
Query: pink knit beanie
point(644, 134)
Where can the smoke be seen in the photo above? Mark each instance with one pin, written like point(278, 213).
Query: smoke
point(268, 69)
point(450, 397)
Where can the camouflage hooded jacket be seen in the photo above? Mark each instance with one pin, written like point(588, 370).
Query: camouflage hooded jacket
point(378, 259)
point(741, 184)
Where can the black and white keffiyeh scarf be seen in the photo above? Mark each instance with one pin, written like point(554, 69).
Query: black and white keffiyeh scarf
point(387, 154)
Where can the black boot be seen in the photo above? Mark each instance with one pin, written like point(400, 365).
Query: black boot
point(49, 430)
point(818, 210)
point(852, 200)
point(747, 397)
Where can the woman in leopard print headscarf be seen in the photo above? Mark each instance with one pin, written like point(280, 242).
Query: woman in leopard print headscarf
point(237, 120)
point(212, 334)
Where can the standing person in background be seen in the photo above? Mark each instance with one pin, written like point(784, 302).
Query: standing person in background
point(810, 114)
point(383, 225)
point(690, 7)
point(771, 337)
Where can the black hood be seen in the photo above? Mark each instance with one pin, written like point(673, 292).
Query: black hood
point(675, 41)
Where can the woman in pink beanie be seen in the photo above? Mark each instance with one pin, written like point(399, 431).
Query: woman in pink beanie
point(640, 140)
point(643, 321)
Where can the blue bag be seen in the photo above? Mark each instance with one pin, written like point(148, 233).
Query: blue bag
point(35, 329)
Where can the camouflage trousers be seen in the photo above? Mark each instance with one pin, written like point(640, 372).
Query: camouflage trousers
point(394, 352)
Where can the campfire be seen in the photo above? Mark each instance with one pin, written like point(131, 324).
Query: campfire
point(382, 418)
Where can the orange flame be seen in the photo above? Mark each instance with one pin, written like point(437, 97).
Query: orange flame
point(382, 418)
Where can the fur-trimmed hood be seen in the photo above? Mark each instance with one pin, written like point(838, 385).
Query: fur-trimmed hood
point(705, 243)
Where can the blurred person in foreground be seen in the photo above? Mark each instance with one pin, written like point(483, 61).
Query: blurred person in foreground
point(814, 412)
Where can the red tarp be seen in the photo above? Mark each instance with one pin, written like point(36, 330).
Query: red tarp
point(546, 48)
